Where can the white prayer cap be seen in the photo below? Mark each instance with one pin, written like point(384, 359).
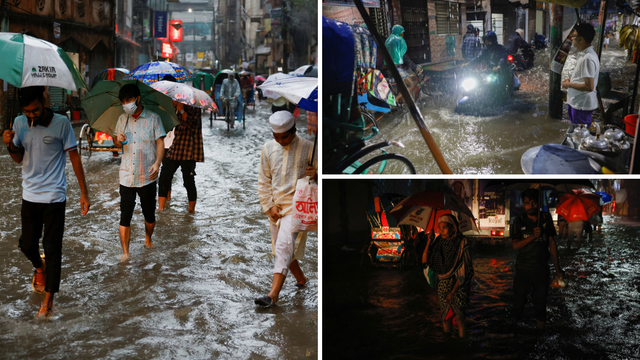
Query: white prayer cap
point(281, 121)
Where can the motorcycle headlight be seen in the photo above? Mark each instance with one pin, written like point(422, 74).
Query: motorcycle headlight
point(468, 84)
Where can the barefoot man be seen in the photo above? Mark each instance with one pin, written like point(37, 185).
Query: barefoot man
point(141, 134)
point(283, 161)
point(39, 140)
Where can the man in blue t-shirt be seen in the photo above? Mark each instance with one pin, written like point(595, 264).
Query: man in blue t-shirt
point(532, 234)
point(39, 140)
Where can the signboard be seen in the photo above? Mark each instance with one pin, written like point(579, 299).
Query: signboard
point(167, 50)
point(366, 3)
point(275, 16)
point(175, 33)
point(160, 24)
point(189, 57)
point(56, 30)
point(492, 222)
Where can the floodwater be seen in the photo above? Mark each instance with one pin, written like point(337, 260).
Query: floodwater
point(490, 144)
point(191, 296)
point(388, 313)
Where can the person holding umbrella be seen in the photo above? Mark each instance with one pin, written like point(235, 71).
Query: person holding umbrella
point(39, 140)
point(533, 235)
point(140, 132)
point(283, 161)
point(186, 149)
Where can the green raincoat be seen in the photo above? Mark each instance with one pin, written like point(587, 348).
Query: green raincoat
point(396, 45)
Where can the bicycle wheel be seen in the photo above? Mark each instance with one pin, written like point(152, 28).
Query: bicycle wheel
point(394, 163)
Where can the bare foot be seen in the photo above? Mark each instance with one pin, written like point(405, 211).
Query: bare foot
point(148, 244)
point(125, 257)
point(303, 284)
point(44, 311)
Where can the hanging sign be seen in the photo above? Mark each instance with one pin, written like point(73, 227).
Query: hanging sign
point(175, 31)
point(160, 24)
point(56, 30)
point(167, 50)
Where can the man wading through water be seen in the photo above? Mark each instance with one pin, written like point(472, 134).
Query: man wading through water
point(534, 240)
point(39, 140)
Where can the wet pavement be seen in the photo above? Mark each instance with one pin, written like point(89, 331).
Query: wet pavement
point(491, 144)
point(388, 313)
point(191, 296)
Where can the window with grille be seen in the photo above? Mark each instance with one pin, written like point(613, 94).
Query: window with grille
point(447, 18)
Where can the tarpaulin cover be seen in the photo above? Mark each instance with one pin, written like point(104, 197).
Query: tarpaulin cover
point(338, 57)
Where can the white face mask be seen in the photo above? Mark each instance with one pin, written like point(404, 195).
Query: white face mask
point(130, 108)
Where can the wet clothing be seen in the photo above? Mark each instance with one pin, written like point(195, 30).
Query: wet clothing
point(533, 281)
point(147, 196)
point(139, 154)
point(578, 117)
point(537, 251)
point(44, 160)
point(532, 275)
point(35, 217)
point(575, 228)
point(515, 43)
point(185, 151)
point(288, 246)
point(451, 260)
point(230, 91)
point(396, 45)
point(187, 144)
point(169, 168)
point(44, 189)
point(587, 66)
point(280, 169)
point(470, 46)
point(491, 56)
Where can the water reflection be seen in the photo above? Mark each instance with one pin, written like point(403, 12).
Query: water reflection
point(394, 314)
point(492, 144)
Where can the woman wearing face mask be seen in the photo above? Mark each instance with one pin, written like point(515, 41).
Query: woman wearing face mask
point(448, 256)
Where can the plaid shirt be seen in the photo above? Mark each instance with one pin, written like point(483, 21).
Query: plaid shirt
point(470, 47)
point(140, 151)
point(187, 144)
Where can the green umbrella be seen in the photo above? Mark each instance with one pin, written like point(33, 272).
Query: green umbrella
point(103, 106)
point(29, 61)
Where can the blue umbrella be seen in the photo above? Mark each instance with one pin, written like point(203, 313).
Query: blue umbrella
point(605, 198)
point(154, 71)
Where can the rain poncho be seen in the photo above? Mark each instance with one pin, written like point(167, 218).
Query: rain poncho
point(396, 45)
point(230, 91)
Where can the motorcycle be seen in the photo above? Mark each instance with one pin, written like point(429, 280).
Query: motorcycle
point(482, 92)
point(522, 60)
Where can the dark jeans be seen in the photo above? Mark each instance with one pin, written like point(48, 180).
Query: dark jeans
point(147, 195)
point(534, 281)
point(169, 167)
point(34, 217)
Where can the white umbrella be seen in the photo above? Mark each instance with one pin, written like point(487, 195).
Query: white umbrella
point(292, 88)
point(185, 94)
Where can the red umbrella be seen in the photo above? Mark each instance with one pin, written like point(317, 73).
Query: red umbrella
point(578, 204)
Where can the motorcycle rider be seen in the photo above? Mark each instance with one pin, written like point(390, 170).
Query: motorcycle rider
point(516, 42)
point(397, 47)
point(494, 56)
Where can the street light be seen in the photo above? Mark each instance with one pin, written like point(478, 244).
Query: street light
point(189, 9)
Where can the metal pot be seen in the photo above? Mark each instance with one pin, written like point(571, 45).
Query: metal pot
point(595, 143)
point(614, 135)
point(579, 134)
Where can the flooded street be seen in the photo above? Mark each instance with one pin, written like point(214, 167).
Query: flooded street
point(393, 314)
point(191, 296)
point(492, 144)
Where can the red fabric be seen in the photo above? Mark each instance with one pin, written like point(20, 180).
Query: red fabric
point(383, 218)
point(578, 205)
point(136, 116)
point(111, 74)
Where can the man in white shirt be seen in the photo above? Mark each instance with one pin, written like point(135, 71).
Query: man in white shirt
point(283, 161)
point(581, 87)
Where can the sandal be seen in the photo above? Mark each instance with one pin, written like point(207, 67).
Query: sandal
point(38, 282)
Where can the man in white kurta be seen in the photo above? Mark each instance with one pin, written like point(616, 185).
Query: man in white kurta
point(283, 161)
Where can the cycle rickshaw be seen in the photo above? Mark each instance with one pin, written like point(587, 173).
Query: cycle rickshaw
point(224, 115)
point(345, 129)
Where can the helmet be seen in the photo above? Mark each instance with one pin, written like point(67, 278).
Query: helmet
point(470, 28)
point(491, 36)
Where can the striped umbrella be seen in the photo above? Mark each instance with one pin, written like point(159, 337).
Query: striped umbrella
point(29, 61)
point(154, 71)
